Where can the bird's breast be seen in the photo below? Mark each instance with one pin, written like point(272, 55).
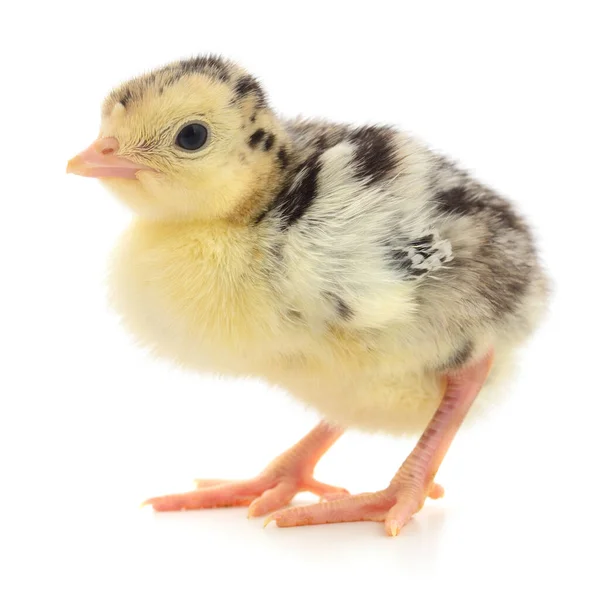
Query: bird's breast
point(193, 293)
point(199, 296)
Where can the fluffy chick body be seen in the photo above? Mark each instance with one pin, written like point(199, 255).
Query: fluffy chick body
point(350, 266)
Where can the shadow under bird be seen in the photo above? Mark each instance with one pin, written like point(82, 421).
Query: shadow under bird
point(367, 275)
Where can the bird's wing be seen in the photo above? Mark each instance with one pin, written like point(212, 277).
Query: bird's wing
point(355, 225)
point(417, 257)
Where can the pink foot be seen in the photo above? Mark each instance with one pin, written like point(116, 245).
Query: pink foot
point(395, 508)
point(413, 482)
point(264, 494)
point(273, 489)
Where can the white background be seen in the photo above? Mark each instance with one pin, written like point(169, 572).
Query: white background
point(90, 425)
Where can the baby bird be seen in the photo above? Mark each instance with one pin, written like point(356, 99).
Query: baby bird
point(370, 277)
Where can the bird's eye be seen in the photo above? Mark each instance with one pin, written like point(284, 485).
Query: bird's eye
point(192, 136)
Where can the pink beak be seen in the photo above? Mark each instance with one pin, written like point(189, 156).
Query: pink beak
point(100, 160)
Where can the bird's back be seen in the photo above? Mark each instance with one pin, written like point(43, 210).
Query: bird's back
point(375, 232)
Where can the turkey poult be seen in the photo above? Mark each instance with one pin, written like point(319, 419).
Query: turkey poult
point(352, 266)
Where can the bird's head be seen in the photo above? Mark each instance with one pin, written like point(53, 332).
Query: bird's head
point(192, 140)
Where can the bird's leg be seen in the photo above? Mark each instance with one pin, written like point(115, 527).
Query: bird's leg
point(288, 474)
point(413, 483)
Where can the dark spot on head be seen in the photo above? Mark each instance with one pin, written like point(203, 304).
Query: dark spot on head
point(245, 85)
point(269, 142)
point(211, 65)
point(256, 137)
point(126, 97)
point(375, 155)
point(150, 78)
point(248, 85)
point(342, 309)
point(283, 157)
point(253, 117)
